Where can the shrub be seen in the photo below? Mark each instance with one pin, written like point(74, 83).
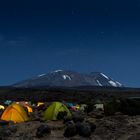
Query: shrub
point(112, 107)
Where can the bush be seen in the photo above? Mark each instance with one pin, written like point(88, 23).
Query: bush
point(125, 106)
point(130, 107)
point(112, 107)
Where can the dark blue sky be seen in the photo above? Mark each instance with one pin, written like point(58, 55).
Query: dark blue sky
point(38, 36)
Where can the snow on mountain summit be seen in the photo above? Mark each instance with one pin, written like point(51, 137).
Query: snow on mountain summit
point(57, 70)
point(66, 77)
point(41, 75)
point(104, 75)
point(62, 78)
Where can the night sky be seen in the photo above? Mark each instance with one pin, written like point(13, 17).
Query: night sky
point(39, 36)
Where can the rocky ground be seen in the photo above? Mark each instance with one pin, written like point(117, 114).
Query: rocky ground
point(117, 127)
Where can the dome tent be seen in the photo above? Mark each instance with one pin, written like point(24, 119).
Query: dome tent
point(26, 105)
point(15, 113)
point(2, 107)
point(54, 109)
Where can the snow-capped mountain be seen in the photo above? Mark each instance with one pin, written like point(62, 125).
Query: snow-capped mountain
point(61, 78)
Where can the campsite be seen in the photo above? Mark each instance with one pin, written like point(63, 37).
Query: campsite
point(69, 70)
point(53, 115)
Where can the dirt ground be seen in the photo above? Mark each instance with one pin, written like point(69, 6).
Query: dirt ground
point(117, 127)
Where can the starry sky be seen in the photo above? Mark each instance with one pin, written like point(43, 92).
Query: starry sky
point(39, 36)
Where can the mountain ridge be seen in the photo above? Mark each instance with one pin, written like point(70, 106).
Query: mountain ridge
point(67, 78)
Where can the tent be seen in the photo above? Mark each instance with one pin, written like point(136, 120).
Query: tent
point(82, 107)
point(30, 110)
point(99, 106)
point(7, 102)
point(40, 106)
point(69, 105)
point(53, 110)
point(2, 107)
point(26, 105)
point(15, 113)
point(40, 103)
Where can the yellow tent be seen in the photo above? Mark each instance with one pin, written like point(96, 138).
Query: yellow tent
point(26, 105)
point(2, 107)
point(40, 103)
point(15, 113)
point(30, 110)
point(53, 110)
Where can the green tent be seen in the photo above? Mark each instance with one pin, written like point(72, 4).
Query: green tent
point(53, 110)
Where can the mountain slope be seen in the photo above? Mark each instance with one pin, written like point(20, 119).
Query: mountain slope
point(63, 78)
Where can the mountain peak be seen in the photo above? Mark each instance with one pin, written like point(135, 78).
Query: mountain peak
point(65, 78)
point(57, 71)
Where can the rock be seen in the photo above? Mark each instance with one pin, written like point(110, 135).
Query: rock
point(25, 136)
point(70, 130)
point(69, 123)
point(4, 132)
point(66, 119)
point(36, 119)
point(12, 129)
point(43, 130)
point(83, 129)
point(118, 113)
point(135, 137)
point(92, 126)
point(99, 116)
point(77, 118)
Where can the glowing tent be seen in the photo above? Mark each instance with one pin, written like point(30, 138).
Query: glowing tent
point(2, 107)
point(53, 110)
point(26, 105)
point(15, 113)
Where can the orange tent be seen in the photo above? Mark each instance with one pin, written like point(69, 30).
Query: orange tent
point(15, 113)
point(25, 104)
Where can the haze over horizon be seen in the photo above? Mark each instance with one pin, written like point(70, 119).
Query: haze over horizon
point(85, 36)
